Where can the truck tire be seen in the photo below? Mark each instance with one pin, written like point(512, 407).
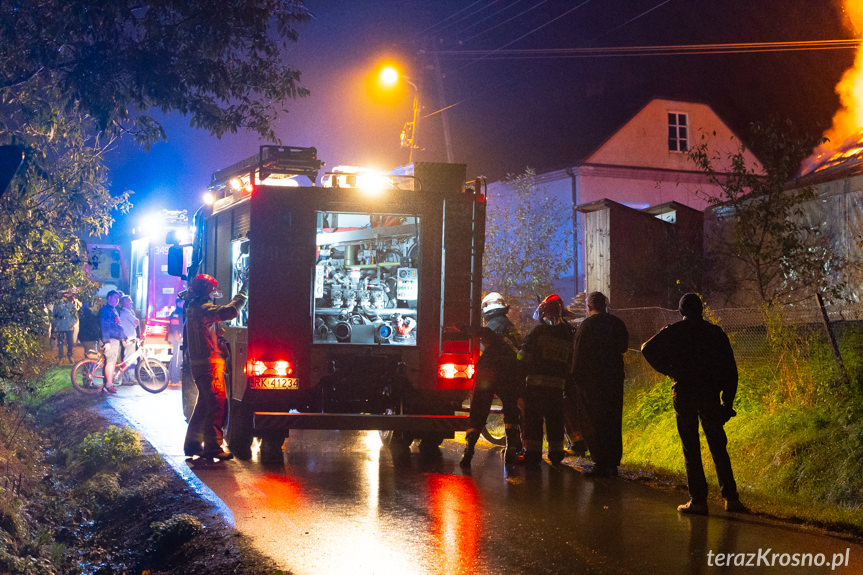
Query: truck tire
point(430, 442)
point(396, 440)
point(238, 431)
point(271, 446)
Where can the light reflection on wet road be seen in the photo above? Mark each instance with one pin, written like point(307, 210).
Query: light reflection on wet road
point(338, 503)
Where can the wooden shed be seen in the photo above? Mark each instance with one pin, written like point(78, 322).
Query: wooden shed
point(642, 257)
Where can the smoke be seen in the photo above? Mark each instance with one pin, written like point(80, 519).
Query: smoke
point(845, 135)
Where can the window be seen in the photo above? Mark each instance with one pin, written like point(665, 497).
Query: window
point(678, 132)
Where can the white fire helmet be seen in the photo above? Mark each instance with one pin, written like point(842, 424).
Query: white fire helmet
point(492, 301)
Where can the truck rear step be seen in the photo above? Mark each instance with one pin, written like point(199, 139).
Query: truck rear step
point(269, 420)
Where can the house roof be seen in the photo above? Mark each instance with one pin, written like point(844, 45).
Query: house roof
point(651, 211)
point(616, 118)
point(597, 122)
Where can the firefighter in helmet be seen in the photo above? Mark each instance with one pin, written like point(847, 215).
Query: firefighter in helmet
point(545, 357)
point(204, 435)
point(496, 374)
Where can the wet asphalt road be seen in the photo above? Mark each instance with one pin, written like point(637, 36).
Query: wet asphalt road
point(339, 504)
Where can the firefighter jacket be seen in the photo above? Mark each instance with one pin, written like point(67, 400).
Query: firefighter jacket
point(201, 319)
point(547, 353)
point(697, 355)
point(110, 322)
point(501, 339)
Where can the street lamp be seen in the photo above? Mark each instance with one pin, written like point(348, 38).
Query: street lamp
point(389, 76)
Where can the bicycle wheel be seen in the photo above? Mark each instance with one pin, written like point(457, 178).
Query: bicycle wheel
point(88, 376)
point(152, 375)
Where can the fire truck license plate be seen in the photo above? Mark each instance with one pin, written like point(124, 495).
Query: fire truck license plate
point(278, 383)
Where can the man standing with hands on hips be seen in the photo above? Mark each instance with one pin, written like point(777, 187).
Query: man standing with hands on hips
point(697, 355)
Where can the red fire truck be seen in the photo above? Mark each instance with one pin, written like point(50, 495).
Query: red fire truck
point(153, 291)
point(363, 293)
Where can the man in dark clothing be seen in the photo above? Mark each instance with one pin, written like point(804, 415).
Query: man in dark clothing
point(597, 383)
point(204, 434)
point(496, 374)
point(89, 329)
point(112, 335)
point(546, 357)
point(697, 355)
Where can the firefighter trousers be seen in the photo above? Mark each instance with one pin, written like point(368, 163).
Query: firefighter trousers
point(543, 404)
point(480, 406)
point(208, 418)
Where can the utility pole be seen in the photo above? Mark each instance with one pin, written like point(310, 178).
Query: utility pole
point(443, 106)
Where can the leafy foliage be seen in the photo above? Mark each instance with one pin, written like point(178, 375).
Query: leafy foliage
point(110, 448)
point(75, 76)
point(765, 248)
point(528, 243)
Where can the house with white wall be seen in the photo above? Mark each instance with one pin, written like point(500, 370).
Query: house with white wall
point(640, 164)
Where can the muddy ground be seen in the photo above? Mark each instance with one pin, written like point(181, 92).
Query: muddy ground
point(102, 505)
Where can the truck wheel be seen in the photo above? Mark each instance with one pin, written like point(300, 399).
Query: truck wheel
point(396, 440)
point(430, 442)
point(239, 430)
point(271, 447)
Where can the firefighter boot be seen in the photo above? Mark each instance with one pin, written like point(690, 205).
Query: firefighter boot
point(556, 456)
point(532, 458)
point(471, 437)
point(514, 450)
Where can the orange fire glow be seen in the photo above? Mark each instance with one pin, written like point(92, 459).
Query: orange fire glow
point(846, 132)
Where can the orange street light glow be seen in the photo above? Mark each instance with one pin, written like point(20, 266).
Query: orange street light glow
point(388, 76)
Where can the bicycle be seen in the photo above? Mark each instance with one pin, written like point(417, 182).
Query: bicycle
point(88, 374)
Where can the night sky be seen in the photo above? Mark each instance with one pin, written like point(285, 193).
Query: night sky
point(507, 113)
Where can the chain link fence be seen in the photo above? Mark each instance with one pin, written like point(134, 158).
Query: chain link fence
point(746, 326)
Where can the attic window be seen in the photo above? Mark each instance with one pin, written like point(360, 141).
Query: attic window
point(669, 216)
point(678, 132)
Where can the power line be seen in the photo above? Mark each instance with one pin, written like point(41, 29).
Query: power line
point(488, 53)
point(670, 50)
point(479, 21)
point(673, 50)
point(541, 26)
point(645, 13)
point(456, 13)
point(507, 21)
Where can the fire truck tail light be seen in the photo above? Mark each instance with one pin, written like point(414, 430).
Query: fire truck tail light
point(155, 330)
point(456, 370)
point(279, 368)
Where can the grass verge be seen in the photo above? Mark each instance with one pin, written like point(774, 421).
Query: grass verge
point(81, 496)
point(795, 461)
